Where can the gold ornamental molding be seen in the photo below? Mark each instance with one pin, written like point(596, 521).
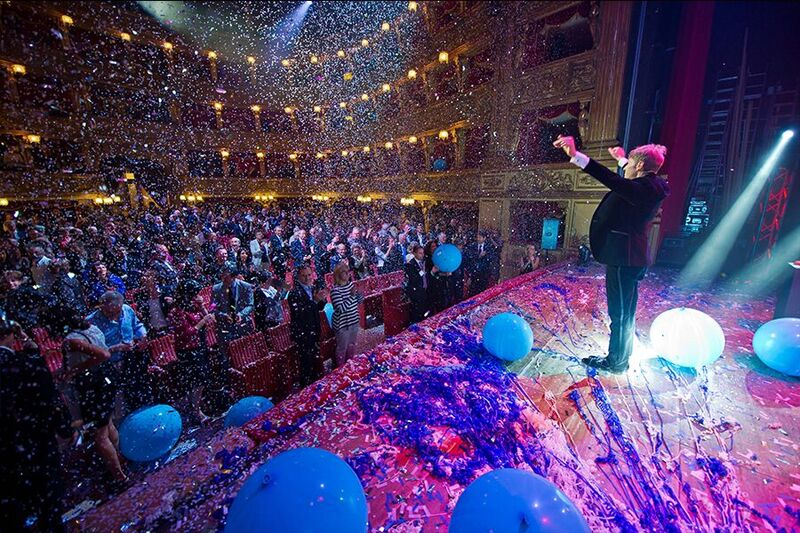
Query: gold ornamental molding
point(559, 79)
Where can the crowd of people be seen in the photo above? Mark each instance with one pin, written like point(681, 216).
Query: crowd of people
point(106, 282)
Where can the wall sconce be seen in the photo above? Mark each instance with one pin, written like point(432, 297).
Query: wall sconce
point(365, 97)
point(444, 57)
point(317, 109)
point(443, 134)
point(386, 26)
point(412, 6)
point(129, 176)
point(3, 202)
point(288, 110)
point(217, 106)
point(251, 60)
point(167, 46)
point(364, 43)
point(364, 199)
point(285, 62)
point(255, 108)
point(108, 201)
point(340, 53)
point(407, 201)
point(342, 105)
point(293, 156)
point(344, 153)
point(320, 155)
point(98, 201)
point(125, 36)
point(260, 155)
point(366, 149)
point(347, 76)
point(67, 20)
point(212, 55)
point(412, 74)
point(314, 59)
point(386, 87)
point(18, 69)
point(349, 118)
point(224, 153)
point(412, 139)
point(116, 199)
point(388, 145)
point(33, 138)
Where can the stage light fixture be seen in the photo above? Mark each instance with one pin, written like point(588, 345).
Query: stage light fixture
point(704, 266)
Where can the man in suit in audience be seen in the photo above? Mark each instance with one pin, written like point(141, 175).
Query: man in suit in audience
point(278, 253)
point(619, 236)
point(233, 299)
point(482, 258)
point(416, 284)
point(305, 303)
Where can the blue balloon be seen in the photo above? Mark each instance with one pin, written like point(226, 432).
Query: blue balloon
point(247, 409)
point(447, 257)
point(300, 490)
point(515, 500)
point(507, 336)
point(149, 433)
point(329, 313)
point(777, 344)
point(440, 164)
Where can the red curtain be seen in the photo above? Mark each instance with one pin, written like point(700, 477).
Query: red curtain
point(683, 107)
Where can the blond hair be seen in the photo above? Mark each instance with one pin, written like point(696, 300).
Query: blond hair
point(651, 155)
point(341, 273)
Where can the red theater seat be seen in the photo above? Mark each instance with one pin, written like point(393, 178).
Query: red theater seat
point(395, 311)
point(252, 369)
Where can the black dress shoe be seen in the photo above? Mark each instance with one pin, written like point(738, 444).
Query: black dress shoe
point(602, 363)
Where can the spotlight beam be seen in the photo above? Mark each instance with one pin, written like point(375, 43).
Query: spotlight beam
point(704, 266)
point(767, 273)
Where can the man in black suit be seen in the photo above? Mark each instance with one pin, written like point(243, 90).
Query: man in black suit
point(305, 303)
point(417, 283)
point(482, 256)
point(278, 253)
point(619, 236)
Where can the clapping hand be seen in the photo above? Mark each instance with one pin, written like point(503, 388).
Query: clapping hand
point(567, 144)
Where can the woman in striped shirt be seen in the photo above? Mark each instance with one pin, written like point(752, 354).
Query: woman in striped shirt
point(345, 302)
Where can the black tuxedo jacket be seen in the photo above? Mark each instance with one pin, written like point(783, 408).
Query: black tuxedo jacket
point(619, 233)
point(304, 311)
point(414, 286)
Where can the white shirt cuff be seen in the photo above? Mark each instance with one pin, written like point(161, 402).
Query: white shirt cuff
point(580, 160)
point(622, 161)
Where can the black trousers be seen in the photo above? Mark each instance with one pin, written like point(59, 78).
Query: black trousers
point(622, 295)
point(308, 354)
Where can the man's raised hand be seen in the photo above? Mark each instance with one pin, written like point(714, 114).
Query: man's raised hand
point(617, 152)
point(567, 144)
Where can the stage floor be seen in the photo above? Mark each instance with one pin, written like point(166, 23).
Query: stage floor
point(424, 413)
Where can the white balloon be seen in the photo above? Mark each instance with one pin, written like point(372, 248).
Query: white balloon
point(687, 337)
